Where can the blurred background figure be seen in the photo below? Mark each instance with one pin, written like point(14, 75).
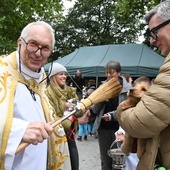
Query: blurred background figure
point(82, 126)
point(92, 117)
point(128, 78)
point(90, 85)
point(77, 81)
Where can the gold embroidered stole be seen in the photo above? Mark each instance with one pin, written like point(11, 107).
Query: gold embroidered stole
point(31, 84)
point(8, 82)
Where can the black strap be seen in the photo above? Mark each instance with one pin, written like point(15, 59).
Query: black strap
point(158, 160)
point(32, 93)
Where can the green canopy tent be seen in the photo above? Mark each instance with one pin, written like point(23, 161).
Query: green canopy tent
point(135, 59)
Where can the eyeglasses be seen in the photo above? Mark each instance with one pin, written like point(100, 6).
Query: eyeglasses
point(153, 33)
point(33, 48)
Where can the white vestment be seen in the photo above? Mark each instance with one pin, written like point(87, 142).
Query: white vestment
point(20, 106)
point(26, 110)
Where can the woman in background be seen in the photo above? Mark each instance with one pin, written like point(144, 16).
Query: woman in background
point(59, 95)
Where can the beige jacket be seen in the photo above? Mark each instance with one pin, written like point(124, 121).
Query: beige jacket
point(150, 121)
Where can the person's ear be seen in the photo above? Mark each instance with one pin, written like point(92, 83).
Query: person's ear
point(19, 42)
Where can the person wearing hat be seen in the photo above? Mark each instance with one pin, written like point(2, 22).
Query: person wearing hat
point(59, 94)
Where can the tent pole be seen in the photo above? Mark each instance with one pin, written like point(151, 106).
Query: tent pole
point(96, 81)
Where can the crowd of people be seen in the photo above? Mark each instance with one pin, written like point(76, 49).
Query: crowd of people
point(30, 105)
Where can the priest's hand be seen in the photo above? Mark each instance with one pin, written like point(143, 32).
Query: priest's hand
point(37, 132)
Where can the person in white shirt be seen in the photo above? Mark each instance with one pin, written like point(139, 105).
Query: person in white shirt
point(131, 160)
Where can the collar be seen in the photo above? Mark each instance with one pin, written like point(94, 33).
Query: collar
point(27, 73)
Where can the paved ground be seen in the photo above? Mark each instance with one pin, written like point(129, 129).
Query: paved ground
point(89, 154)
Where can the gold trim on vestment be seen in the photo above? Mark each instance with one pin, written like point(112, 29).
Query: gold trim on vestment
point(58, 154)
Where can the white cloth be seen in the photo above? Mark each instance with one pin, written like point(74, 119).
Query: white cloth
point(26, 110)
point(131, 162)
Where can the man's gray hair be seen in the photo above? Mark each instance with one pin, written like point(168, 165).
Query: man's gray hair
point(24, 32)
point(162, 10)
point(113, 65)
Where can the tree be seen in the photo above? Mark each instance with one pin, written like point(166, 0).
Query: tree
point(100, 22)
point(15, 14)
point(88, 23)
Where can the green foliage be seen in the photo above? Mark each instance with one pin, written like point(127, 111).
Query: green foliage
point(15, 14)
point(89, 22)
point(100, 22)
point(131, 13)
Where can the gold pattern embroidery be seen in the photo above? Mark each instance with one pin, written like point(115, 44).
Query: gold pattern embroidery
point(3, 63)
point(3, 86)
point(31, 84)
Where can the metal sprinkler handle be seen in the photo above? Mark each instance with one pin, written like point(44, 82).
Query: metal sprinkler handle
point(76, 109)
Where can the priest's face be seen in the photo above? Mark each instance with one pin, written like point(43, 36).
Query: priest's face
point(36, 47)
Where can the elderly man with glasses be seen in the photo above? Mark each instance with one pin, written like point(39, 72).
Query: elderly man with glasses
point(26, 115)
point(150, 119)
